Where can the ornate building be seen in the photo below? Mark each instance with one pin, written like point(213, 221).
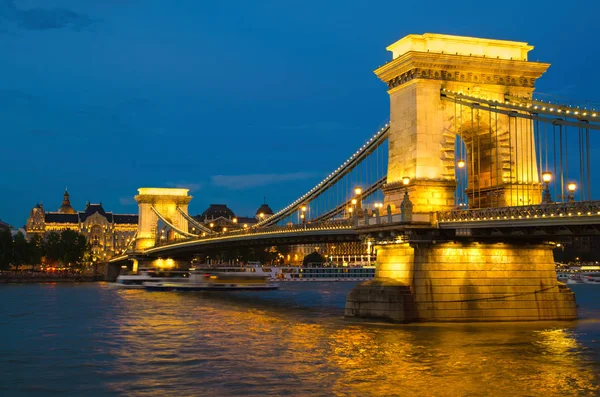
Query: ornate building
point(219, 216)
point(107, 233)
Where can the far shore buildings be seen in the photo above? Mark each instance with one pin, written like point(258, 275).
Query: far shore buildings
point(110, 234)
point(107, 233)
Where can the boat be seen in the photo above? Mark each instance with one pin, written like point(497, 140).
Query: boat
point(584, 278)
point(320, 273)
point(203, 280)
point(301, 273)
point(578, 274)
point(148, 275)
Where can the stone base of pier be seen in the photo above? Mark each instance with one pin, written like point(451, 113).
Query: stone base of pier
point(463, 282)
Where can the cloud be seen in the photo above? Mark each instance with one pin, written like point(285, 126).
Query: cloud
point(239, 182)
point(43, 18)
point(128, 200)
point(193, 186)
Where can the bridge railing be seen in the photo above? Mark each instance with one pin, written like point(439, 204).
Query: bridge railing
point(553, 210)
point(375, 218)
point(309, 226)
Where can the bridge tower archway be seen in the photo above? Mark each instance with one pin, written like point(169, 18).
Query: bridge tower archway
point(424, 125)
point(166, 202)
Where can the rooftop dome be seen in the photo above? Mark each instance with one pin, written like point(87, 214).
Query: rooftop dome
point(66, 208)
point(216, 211)
point(264, 209)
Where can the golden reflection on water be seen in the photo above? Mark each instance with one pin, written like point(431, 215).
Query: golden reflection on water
point(207, 345)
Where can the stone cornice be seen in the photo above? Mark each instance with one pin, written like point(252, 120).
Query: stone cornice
point(460, 68)
point(155, 199)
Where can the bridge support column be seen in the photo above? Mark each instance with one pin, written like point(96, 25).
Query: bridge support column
point(165, 201)
point(463, 282)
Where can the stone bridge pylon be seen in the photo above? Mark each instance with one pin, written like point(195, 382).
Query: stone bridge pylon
point(165, 201)
point(421, 274)
point(500, 151)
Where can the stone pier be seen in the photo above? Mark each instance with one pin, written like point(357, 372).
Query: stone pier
point(463, 282)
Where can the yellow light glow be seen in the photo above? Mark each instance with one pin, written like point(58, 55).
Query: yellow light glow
point(162, 191)
point(405, 180)
point(546, 176)
point(353, 201)
point(358, 191)
point(245, 225)
point(261, 215)
point(211, 224)
point(235, 220)
point(461, 45)
point(224, 229)
point(572, 186)
point(461, 164)
point(303, 209)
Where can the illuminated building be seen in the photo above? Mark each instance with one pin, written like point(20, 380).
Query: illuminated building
point(218, 216)
point(106, 232)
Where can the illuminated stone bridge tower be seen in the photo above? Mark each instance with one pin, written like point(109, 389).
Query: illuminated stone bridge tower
point(435, 277)
point(423, 126)
point(165, 201)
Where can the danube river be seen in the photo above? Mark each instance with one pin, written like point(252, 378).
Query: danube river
point(93, 340)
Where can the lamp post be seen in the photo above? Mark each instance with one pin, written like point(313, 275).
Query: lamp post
point(358, 193)
point(546, 177)
point(571, 187)
point(406, 207)
point(303, 213)
point(405, 182)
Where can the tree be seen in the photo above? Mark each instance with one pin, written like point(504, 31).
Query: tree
point(68, 248)
point(20, 255)
point(52, 247)
point(74, 247)
point(6, 249)
point(35, 250)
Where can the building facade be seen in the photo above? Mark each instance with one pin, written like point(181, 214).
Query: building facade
point(108, 234)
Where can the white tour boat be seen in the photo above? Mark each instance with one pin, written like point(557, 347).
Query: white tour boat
point(213, 279)
point(151, 276)
point(301, 273)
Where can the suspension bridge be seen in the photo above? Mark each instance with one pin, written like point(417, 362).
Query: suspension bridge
point(463, 193)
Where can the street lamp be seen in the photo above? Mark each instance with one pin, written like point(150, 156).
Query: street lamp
point(546, 177)
point(358, 200)
point(461, 163)
point(405, 182)
point(571, 187)
point(303, 210)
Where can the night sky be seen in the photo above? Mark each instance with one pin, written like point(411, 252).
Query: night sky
point(236, 100)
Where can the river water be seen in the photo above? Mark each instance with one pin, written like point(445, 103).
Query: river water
point(94, 340)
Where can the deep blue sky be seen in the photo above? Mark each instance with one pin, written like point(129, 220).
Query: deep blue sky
point(105, 96)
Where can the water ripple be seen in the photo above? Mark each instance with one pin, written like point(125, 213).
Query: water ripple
point(93, 340)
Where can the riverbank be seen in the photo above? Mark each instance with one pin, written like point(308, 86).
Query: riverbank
point(27, 279)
